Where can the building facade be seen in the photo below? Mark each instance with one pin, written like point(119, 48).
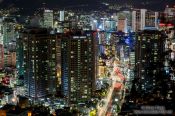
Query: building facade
point(142, 18)
point(39, 62)
point(148, 58)
point(8, 35)
point(78, 69)
point(48, 18)
point(1, 57)
point(122, 25)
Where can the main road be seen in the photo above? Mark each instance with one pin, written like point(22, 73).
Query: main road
point(101, 111)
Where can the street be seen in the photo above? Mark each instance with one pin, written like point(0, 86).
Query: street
point(106, 108)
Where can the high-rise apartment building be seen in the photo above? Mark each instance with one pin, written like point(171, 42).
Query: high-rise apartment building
point(61, 16)
point(39, 62)
point(148, 58)
point(151, 19)
point(48, 18)
point(169, 13)
point(8, 37)
point(10, 59)
point(142, 18)
point(19, 57)
point(122, 24)
point(124, 21)
point(1, 31)
point(78, 66)
point(1, 57)
point(8, 29)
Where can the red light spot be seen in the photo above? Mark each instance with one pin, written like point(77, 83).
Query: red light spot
point(162, 24)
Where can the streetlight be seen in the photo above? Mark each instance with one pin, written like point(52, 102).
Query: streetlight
point(116, 100)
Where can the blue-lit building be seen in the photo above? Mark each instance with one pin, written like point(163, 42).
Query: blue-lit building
point(78, 66)
point(125, 43)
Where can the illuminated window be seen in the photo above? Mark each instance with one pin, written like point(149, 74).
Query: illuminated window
point(143, 46)
point(155, 53)
point(53, 55)
point(173, 46)
point(156, 37)
point(139, 38)
point(85, 91)
point(84, 96)
point(144, 39)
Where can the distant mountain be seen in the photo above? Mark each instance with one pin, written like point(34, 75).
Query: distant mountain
point(90, 4)
point(49, 3)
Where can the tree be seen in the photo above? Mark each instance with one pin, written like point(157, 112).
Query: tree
point(93, 113)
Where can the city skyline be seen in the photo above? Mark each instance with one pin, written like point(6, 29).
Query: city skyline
point(87, 58)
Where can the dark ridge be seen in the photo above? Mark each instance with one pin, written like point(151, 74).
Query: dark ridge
point(28, 5)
